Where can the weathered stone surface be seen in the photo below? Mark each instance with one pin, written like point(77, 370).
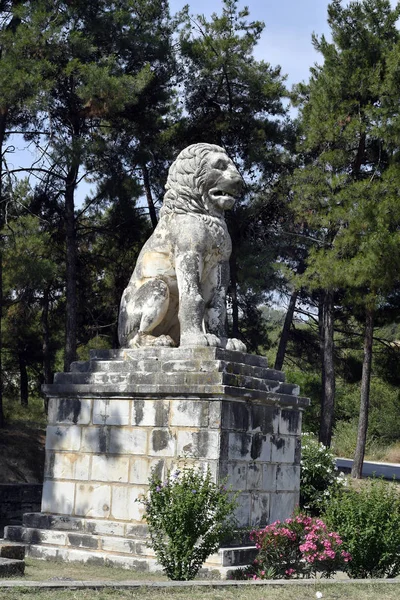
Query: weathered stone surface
point(179, 284)
point(14, 551)
point(211, 407)
point(107, 412)
point(93, 500)
point(11, 567)
point(58, 497)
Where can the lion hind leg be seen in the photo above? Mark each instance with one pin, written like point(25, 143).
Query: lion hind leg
point(143, 311)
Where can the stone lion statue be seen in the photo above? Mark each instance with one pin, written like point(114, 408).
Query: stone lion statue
point(177, 293)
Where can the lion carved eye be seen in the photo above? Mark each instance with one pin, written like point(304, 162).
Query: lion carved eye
point(219, 164)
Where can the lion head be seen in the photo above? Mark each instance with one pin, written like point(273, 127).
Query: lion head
point(202, 180)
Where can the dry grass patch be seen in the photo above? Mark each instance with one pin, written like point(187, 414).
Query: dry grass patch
point(371, 591)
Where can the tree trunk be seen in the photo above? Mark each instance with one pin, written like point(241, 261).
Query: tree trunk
point(280, 355)
point(71, 299)
point(328, 368)
point(47, 372)
point(3, 120)
point(149, 196)
point(2, 420)
point(233, 292)
point(356, 470)
point(23, 374)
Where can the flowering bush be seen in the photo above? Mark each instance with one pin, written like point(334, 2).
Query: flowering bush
point(319, 477)
point(301, 546)
point(187, 515)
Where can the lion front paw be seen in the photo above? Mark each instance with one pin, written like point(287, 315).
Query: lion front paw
point(200, 339)
point(235, 344)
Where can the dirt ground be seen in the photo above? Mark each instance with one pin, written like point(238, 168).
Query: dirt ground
point(21, 455)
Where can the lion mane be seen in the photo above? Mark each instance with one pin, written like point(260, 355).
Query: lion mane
point(185, 183)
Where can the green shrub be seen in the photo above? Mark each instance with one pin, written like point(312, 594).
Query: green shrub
point(188, 516)
point(319, 477)
point(368, 521)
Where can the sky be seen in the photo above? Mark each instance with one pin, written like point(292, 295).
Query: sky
point(286, 39)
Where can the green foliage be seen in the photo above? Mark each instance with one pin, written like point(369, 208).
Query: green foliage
point(319, 477)
point(32, 416)
point(298, 547)
point(368, 521)
point(188, 516)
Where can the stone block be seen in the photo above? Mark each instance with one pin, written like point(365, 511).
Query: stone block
point(79, 540)
point(11, 567)
point(239, 446)
point(237, 476)
point(111, 412)
point(93, 500)
point(124, 503)
point(282, 449)
point(43, 521)
point(128, 441)
point(235, 416)
point(255, 476)
point(260, 509)
point(110, 468)
point(189, 413)
point(282, 505)
point(162, 443)
point(43, 552)
point(297, 450)
point(269, 478)
point(242, 511)
point(140, 531)
point(69, 410)
point(123, 545)
point(141, 469)
point(15, 551)
point(67, 465)
point(63, 437)
point(287, 478)
point(199, 444)
point(99, 527)
point(96, 439)
point(260, 447)
point(214, 414)
point(150, 413)
point(58, 497)
point(264, 419)
point(290, 422)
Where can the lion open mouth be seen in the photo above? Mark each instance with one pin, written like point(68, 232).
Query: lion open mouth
point(223, 197)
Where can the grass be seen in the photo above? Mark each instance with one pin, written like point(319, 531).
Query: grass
point(293, 592)
point(42, 570)
point(37, 570)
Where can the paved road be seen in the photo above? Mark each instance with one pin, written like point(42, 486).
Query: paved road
point(385, 470)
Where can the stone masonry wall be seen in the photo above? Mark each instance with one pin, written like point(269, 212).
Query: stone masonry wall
point(17, 499)
point(100, 453)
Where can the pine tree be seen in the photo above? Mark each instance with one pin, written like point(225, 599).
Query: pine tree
point(344, 194)
point(235, 101)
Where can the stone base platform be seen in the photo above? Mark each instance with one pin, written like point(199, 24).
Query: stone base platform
point(121, 415)
point(87, 541)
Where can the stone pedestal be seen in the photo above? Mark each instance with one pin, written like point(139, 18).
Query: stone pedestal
point(125, 412)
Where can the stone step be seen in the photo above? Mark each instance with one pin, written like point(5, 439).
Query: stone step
point(12, 550)
point(173, 366)
point(121, 546)
point(10, 567)
point(176, 379)
point(160, 353)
